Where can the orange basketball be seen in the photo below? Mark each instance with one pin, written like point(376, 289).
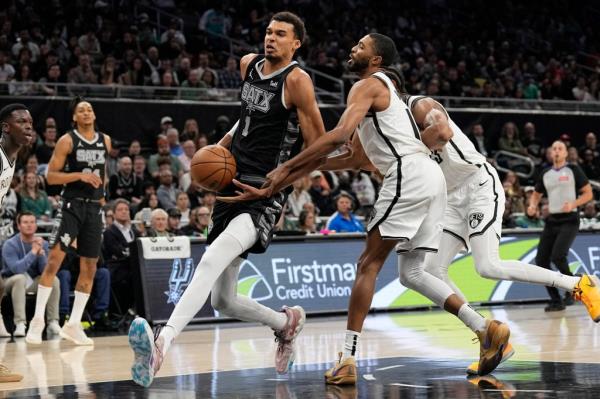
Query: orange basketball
point(213, 167)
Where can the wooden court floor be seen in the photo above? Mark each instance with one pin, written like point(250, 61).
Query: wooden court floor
point(405, 354)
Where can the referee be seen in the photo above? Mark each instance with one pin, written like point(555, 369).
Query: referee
point(567, 188)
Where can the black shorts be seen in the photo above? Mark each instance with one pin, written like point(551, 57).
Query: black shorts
point(81, 220)
point(264, 213)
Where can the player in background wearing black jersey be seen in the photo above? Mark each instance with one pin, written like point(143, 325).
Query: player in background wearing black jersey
point(273, 87)
point(79, 164)
point(17, 131)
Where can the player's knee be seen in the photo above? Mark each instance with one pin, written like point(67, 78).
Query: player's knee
point(220, 302)
point(436, 271)
point(411, 277)
point(368, 267)
point(488, 268)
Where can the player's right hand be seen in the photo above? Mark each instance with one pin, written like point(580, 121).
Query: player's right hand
point(91, 178)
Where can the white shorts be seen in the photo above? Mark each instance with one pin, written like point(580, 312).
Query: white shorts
point(476, 206)
point(411, 203)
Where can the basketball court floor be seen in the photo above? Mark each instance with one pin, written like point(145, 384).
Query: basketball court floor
point(421, 354)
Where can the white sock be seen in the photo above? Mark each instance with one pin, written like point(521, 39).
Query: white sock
point(79, 303)
point(471, 318)
point(168, 333)
point(238, 237)
point(350, 344)
point(41, 300)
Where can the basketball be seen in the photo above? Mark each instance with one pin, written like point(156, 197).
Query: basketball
point(213, 167)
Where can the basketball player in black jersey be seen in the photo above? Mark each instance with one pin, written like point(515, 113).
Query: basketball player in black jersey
point(17, 131)
point(273, 89)
point(78, 163)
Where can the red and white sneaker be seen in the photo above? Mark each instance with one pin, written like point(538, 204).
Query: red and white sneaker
point(286, 349)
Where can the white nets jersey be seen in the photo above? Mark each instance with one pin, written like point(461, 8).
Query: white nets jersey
point(459, 159)
point(388, 135)
point(7, 170)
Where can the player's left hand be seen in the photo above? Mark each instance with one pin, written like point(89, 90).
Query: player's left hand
point(248, 193)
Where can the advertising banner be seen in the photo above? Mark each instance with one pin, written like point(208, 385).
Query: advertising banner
point(318, 275)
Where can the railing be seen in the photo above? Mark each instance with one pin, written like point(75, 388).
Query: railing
point(521, 165)
point(118, 91)
point(467, 104)
point(525, 106)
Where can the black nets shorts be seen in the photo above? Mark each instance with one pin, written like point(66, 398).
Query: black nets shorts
point(81, 220)
point(264, 213)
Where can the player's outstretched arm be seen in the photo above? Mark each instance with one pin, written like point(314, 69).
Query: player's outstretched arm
point(54, 173)
point(354, 158)
point(433, 120)
point(360, 100)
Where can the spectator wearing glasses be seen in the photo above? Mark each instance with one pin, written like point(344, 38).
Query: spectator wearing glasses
point(199, 222)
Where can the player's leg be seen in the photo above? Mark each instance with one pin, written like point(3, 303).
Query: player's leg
point(368, 267)
point(72, 330)
point(488, 201)
point(239, 236)
point(492, 334)
point(66, 228)
point(485, 249)
point(89, 241)
point(286, 323)
point(225, 299)
point(44, 289)
point(438, 263)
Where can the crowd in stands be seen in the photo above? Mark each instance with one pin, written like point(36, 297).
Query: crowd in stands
point(529, 50)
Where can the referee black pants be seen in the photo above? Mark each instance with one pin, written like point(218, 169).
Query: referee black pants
point(556, 239)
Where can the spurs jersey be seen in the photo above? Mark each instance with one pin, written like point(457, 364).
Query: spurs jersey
point(458, 159)
point(7, 170)
point(388, 135)
point(266, 135)
point(87, 157)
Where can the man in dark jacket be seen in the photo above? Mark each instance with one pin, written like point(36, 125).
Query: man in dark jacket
point(115, 249)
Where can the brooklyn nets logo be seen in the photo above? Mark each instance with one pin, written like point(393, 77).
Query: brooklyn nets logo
point(475, 218)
